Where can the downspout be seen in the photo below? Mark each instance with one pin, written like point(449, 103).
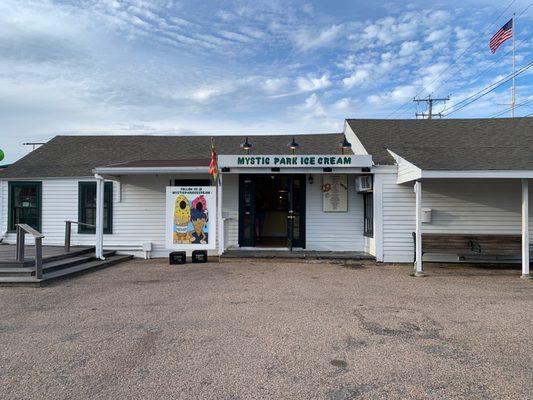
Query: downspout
point(99, 245)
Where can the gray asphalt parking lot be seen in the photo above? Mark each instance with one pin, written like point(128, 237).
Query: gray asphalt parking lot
point(269, 329)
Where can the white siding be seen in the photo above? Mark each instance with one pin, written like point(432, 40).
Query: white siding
point(334, 231)
point(459, 206)
point(230, 209)
point(139, 217)
point(59, 203)
point(398, 220)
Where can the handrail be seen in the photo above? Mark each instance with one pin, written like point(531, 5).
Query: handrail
point(30, 230)
point(68, 229)
point(22, 229)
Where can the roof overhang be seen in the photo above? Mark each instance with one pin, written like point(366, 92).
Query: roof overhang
point(408, 172)
point(152, 167)
point(477, 174)
point(149, 171)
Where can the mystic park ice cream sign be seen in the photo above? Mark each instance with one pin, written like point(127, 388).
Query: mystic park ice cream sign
point(270, 161)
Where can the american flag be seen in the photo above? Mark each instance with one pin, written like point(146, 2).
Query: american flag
point(505, 32)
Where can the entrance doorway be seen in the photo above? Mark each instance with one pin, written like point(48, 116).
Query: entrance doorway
point(272, 211)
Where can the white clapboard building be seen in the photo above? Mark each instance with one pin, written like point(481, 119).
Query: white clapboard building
point(395, 190)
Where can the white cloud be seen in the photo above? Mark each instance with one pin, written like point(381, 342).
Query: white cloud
point(306, 39)
point(358, 78)
point(438, 35)
point(432, 75)
point(408, 48)
point(344, 105)
point(311, 84)
point(275, 85)
point(398, 94)
point(312, 107)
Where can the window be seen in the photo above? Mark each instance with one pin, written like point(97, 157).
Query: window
point(25, 204)
point(87, 206)
point(368, 205)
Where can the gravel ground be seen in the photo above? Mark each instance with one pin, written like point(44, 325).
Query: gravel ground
point(269, 329)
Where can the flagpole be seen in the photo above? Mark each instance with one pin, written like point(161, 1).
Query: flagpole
point(513, 89)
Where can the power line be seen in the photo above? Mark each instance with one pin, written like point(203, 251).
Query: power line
point(509, 109)
point(505, 78)
point(457, 59)
point(492, 87)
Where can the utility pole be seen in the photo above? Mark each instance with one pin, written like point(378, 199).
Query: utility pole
point(429, 100)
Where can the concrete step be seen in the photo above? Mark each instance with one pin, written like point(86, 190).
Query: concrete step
point(297, 254)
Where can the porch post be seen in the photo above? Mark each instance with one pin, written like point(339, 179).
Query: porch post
point(378, 216)
point(525, 229)
point(419, 271)
point(99, 217)
point(220, 222)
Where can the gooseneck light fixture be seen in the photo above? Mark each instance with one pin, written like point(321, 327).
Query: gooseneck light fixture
point(293, 145)
point(345, 145)
point(246, 145)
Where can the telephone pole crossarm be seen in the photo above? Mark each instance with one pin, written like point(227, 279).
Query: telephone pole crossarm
point(429, 101)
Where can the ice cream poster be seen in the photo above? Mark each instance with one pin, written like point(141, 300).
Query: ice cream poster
point(191, 217)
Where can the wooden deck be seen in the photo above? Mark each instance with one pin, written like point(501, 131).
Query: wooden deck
point(8, 252)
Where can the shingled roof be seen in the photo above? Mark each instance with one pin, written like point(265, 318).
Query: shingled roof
point(69, 156)
point(450, 144)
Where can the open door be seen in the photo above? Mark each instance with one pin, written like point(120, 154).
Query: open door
point(272, 210)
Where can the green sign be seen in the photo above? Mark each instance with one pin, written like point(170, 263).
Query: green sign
point(1, 155)
point(291, 161)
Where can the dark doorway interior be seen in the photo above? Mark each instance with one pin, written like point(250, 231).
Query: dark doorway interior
point(272, 210)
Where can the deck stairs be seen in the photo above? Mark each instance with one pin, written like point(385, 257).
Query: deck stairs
point(57, 266)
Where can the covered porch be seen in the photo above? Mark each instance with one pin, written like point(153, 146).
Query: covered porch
point(471, 219)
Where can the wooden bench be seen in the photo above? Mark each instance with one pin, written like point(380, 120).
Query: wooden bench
point(472, 247)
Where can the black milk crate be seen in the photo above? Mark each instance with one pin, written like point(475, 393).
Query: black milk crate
point(177, 257)
point(199, 256)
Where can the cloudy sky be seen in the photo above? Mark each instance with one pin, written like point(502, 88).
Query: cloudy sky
point(242, 67)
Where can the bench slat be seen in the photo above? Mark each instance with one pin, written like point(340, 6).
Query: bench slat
point(472, 245)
